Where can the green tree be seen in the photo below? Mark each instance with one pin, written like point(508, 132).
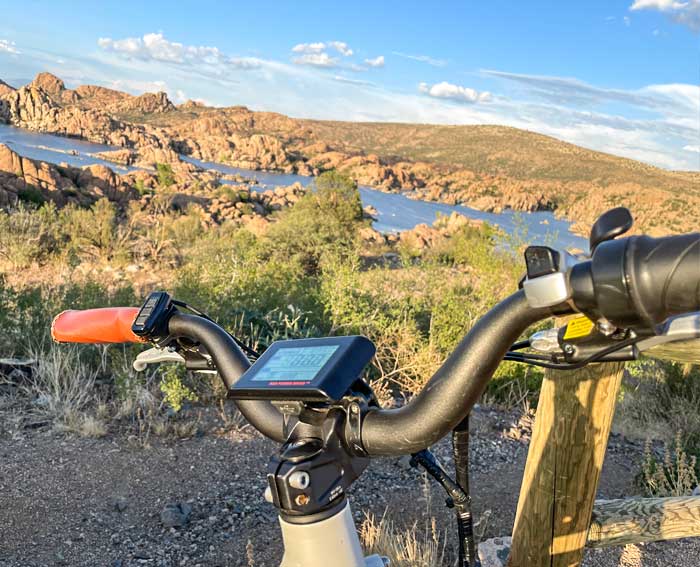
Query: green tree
point(324, 221)
point(166, 177)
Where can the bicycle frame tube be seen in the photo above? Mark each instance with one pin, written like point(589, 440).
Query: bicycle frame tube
point(333, 541)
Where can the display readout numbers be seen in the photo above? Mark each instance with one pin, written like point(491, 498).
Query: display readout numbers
point(295, 364)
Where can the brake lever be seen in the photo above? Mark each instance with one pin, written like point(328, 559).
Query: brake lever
point(155, 356)
point(677, 340)
point(680, 328)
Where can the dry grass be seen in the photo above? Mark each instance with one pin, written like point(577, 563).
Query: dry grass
point(658, 401)
point(61, 389)
point(231, 417)
point(410, 547)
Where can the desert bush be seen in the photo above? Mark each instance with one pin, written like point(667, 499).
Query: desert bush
point(674, 475)
point(30, 194)
point(96, 232)
point(324, 221)
point(27, 235)
point(174, 388)
point(62, 387)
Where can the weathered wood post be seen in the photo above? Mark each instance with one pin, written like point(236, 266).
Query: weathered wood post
point(569, 438)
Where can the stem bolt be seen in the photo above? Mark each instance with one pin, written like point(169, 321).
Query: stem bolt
point(302, 500)
point(299, 480)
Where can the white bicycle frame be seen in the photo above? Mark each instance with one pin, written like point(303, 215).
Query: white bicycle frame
point(333, 541)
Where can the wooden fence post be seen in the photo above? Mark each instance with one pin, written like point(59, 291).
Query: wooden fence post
point(569, 438)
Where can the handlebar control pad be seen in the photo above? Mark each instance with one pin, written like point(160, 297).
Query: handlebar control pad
point(152, 319)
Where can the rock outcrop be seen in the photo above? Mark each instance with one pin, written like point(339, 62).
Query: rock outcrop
point(33, 108)
point(21, 177)
point(93, 96)
point(148, 103)
point(5, 88)
point(423, 236)
point(51, 84)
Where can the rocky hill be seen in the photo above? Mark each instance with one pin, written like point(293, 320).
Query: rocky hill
point(484, 167)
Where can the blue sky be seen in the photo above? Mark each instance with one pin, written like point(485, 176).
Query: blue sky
point(616, 76)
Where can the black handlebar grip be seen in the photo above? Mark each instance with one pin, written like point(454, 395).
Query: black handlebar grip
point(663, 276)
point(641, 280)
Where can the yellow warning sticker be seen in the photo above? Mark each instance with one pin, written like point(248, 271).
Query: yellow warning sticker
point(579, 327)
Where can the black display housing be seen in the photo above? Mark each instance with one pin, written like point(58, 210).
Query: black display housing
point(152, 319)
point(329, 383)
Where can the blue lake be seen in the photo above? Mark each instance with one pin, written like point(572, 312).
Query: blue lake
point(395, 211)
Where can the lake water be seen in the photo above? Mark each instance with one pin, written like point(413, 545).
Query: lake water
point(395, 211)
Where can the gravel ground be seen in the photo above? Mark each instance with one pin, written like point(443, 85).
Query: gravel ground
point(85, 502)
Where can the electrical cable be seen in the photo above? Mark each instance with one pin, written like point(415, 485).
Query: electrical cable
point(536, 360)
point(249, 351)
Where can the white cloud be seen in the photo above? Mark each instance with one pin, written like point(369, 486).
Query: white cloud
point(155, 47)
point(350, 81)
point(663, 5)
point(694, 149)
point(686, 13)
point(454, 92)
point(138, 87)
point(422, 59)
point(319, 46)
point(341, 47)
point(8, 47)
point(309, 47)
point(316, 60)
point(376, 62)
point(316, 55)
point(627, 21)
point(569, 91)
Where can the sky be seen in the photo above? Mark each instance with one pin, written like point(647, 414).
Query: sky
point(619, 76)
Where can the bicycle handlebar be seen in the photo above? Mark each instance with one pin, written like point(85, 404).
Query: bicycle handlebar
point(231, 362)
point(640, 280)
point(454, 389)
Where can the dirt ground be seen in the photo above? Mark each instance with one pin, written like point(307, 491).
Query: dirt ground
point(98, 502)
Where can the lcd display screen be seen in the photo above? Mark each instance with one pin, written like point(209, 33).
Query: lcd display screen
point(297, 364)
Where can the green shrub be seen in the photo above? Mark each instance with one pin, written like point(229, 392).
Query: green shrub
point(166, 177)
point(174, 389)
point(96, 232)
point(140, 186)
point(30, 194)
